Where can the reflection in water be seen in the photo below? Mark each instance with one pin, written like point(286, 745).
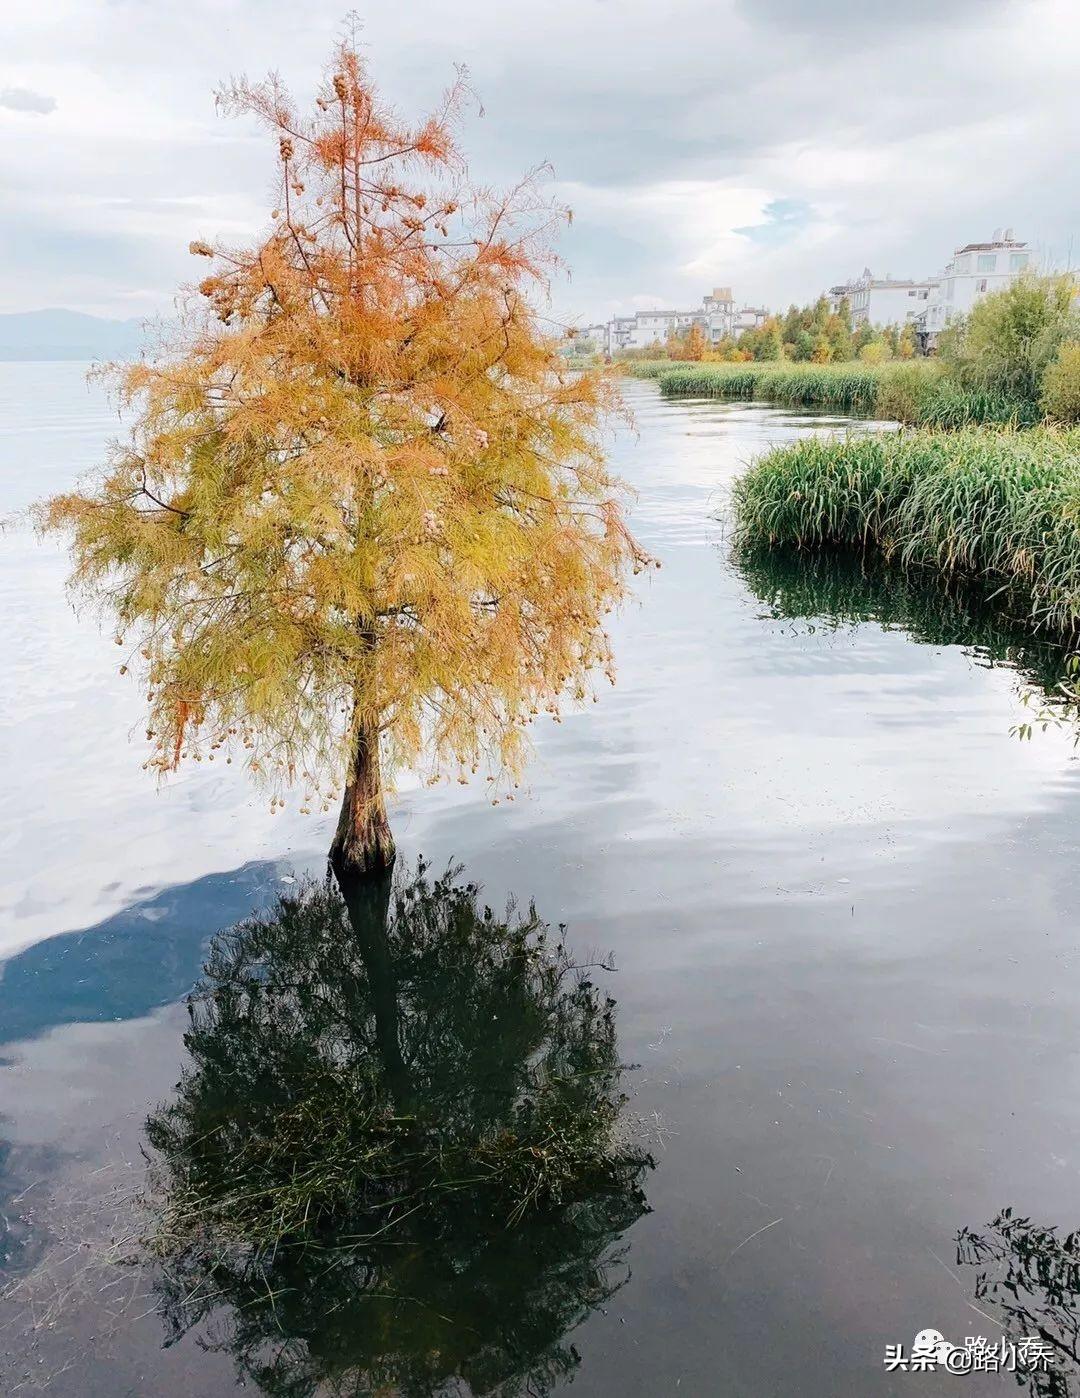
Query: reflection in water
point(1033, 1277)
point(394, 1163)
point(843, 589)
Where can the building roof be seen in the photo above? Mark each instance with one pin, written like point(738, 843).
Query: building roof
point(1002, 244)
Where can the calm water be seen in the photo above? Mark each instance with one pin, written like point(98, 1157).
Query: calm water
point(840, 897)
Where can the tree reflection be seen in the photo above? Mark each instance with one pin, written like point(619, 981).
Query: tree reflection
point(395, 1162)
point(1033, 1277)
point(836, 589)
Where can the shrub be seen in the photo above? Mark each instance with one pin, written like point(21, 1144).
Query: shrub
point(1011, 336)
point(1061, 384)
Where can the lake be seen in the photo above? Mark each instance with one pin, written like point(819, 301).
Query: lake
point(840, 897)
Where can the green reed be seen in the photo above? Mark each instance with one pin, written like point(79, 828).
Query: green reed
point(910, 391)
point(996, 505)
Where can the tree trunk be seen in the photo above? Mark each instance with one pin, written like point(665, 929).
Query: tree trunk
point(367, 901)
point(363, 845)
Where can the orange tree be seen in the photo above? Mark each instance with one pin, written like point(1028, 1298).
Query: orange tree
point(362, 518)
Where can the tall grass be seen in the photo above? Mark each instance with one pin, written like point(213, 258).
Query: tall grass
point(852, 387)
point(912, 392)
point(652, 368)
point(1000, 506)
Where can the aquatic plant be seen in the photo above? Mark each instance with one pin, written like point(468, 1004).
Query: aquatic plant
point(904, 391)
point(1000, 506)
point(647, 368)
point(949, 406)
point(849, 387)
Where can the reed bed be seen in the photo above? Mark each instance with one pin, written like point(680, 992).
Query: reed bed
point(998, 506)
point(653, 368)
point(852, 387)
point(911, 392)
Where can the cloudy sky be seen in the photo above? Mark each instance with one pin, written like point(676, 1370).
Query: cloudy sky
point(773, 145)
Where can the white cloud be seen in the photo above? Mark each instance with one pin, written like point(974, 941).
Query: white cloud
point(24, 99)
point(671, 130)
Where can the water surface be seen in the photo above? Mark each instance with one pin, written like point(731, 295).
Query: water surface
point(840, 897)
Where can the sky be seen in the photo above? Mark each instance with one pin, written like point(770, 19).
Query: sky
point(774, 146)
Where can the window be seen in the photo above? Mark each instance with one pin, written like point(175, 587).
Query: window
point(987, 262)
point(982, 285)
point(1018, 261)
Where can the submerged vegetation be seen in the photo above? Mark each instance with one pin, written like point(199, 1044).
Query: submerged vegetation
point(398, 1155)
point(999, 507)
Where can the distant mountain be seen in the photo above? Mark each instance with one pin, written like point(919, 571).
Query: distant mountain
point(67, 335)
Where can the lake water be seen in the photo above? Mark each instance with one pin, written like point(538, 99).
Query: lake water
point(840, 897)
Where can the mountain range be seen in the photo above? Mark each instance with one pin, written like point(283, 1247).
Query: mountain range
point(59, 334)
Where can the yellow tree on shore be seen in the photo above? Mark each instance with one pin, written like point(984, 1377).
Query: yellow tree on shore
point(363, 517)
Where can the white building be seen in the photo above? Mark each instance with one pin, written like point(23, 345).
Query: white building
point(589, 339)
point(650, 329)
point(881, 301)
point(749, 318)
point(976, 270)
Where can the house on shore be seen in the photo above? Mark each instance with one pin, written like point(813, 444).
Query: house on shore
point(881, 301)
point(976, 270)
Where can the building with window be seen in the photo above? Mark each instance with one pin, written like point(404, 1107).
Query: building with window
point(716, 316)
point(880, 301)
point(976, 270)
point(749, 318)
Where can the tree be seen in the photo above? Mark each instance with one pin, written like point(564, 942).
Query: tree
point(362, 514)
point(822, 352)
point(838, 330)
point(1061, 384)
point(1011, 336)
point(766, 342)
point(695, 344)
point(803, 347)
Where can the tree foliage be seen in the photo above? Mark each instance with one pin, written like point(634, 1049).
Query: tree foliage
point(1011, 337)
point(360, 494)
point(1061, 384)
